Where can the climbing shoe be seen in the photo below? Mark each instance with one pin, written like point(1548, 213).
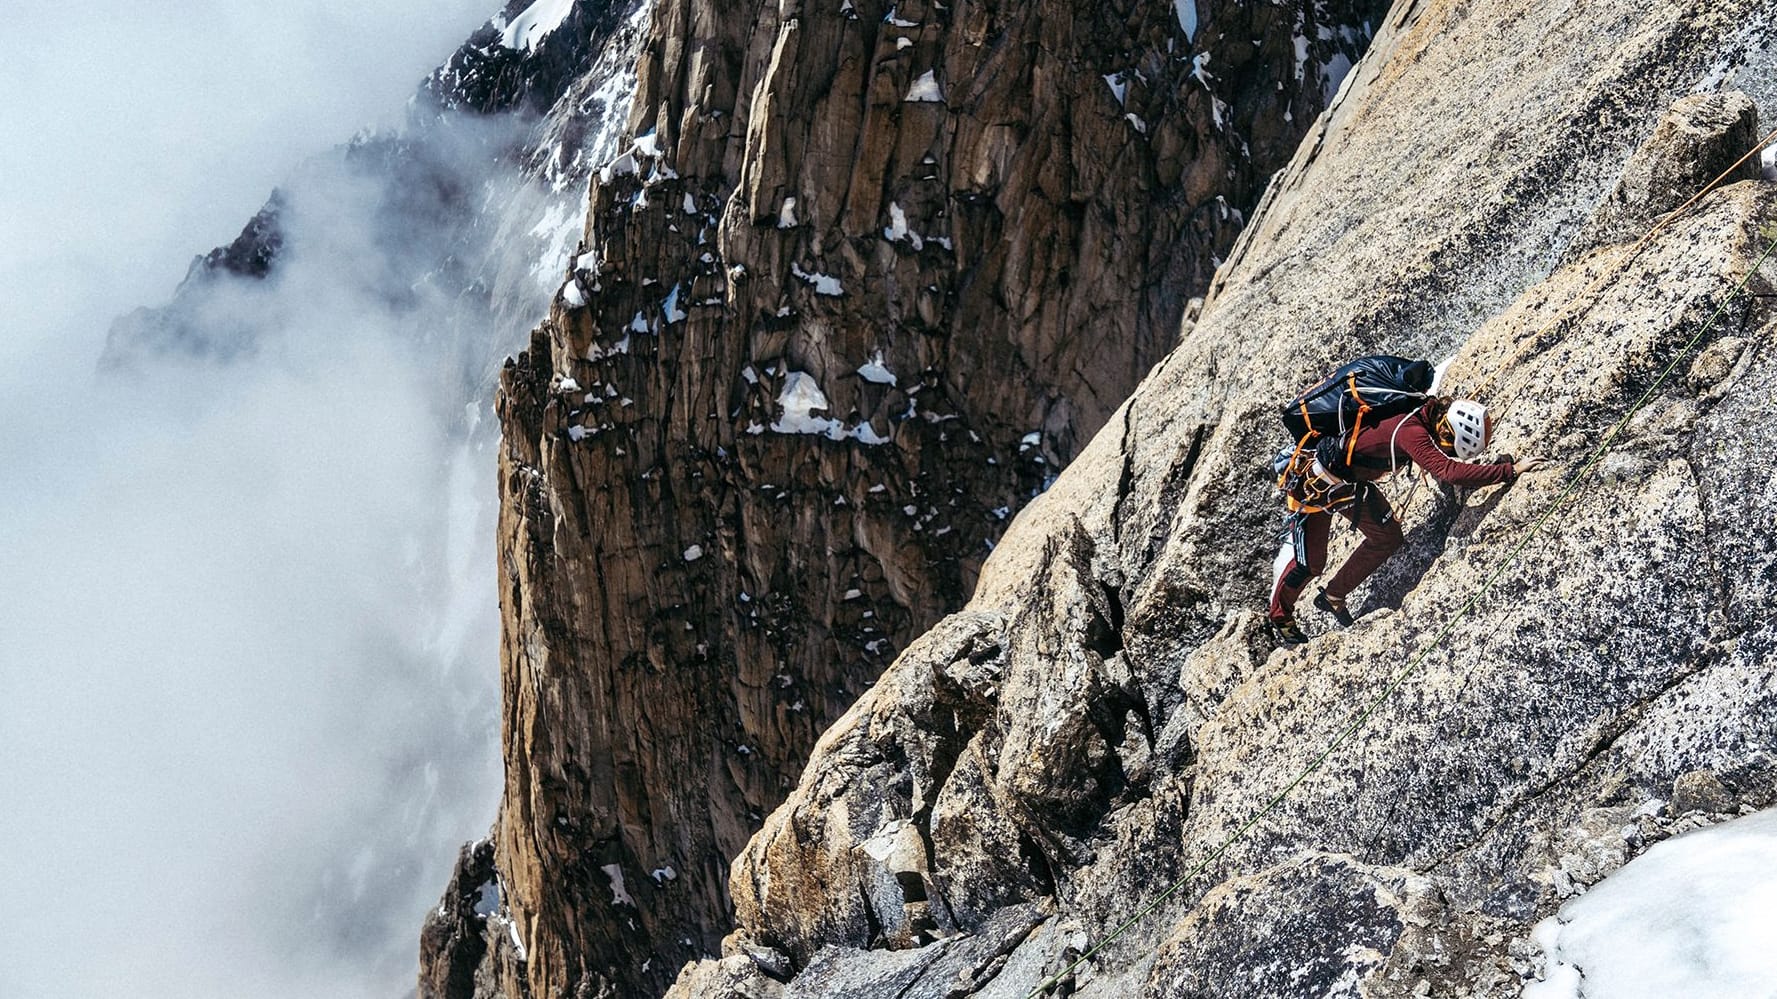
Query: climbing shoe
point(1340, 614)
point(1284, 629)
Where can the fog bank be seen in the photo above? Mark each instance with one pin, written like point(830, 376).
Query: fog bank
point(247, 675)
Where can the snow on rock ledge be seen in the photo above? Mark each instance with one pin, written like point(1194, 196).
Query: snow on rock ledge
point(800, 397)
point(1694, 916)
point(925, 89)
point(534, 23)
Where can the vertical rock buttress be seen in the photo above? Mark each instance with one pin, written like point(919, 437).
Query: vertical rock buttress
point(868, 276)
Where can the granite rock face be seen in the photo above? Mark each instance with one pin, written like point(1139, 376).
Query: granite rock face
point(1702, 137)
point(1106, 715)
point(867, 277)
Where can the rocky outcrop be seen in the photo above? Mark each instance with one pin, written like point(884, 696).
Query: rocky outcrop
point(523, 60)
point(454, 939)
point(869, 275)
point(1106, 713)
point(1705, 137)
point(455, 224)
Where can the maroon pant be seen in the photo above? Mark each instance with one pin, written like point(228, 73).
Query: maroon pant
point(1371, 515)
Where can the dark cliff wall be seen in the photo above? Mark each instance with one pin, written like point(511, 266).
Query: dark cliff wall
point(870, 275)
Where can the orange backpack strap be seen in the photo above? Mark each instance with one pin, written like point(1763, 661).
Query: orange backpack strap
point(1296, 464)
point(1357, 426)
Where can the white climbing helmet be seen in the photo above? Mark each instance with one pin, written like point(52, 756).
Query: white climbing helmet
point(1470, 427)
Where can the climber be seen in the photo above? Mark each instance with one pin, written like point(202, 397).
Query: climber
point(1341, 479)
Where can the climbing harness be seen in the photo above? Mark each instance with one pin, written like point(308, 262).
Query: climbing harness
point(1511, 558)
point(1319, 479)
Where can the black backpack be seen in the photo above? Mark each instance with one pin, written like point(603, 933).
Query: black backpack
point(1328, 417)
point(1360, 394)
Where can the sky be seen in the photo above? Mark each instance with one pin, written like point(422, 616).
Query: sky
point(248, 633)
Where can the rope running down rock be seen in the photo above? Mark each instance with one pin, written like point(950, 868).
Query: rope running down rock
point(1511, 559)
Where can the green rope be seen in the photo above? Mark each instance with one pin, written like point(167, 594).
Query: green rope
point(1412, 667)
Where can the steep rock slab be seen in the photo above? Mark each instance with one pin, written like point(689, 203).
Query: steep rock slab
point(1619, 603)
point(1440, 192)
point(867, 277)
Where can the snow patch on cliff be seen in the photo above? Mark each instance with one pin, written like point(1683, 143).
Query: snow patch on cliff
point(875, 371)
point(823, 284)
point(534, 23)
point(925, 89)
point(800, 398)
point(1187, 17)
point(619, 891)
point(1692, 917)
point(897, 228)
point(559, 231)
point(1119, 84)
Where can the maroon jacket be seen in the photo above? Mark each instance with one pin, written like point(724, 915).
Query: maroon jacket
point(1381, 447)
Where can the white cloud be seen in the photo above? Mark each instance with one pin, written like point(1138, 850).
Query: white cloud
point(248, 665)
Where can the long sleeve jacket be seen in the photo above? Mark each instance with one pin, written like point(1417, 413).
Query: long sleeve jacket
point(1398, 440)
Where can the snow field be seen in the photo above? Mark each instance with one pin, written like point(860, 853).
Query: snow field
point(534, 23)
